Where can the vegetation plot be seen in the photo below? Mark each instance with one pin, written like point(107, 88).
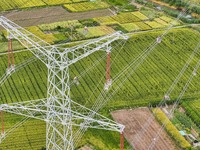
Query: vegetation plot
point(106, 20)
point(86, 6)
point(125, 18)
point(58, 25)
point(154, 24)
point(21, 4)
point(140, 15)
point(97, 31)
point(46, 37)
point(130, 27)
point(58, 2)
point(17, 4)
point(192, 109)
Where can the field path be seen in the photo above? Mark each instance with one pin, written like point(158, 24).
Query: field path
point(47, 15)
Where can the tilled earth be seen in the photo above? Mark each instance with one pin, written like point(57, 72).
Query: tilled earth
point(140, 136)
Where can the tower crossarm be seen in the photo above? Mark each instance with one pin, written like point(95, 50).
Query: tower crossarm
point(76, 53)
point(37, 109)
point(41, 49)
point(82, 115)
point(33, 109)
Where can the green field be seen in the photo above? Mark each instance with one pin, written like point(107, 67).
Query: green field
point(146, 85)
point(86, 6)
point(183, 121)
point(21, 4)
point(73, 30)
point(134, 88)
point(192, 108)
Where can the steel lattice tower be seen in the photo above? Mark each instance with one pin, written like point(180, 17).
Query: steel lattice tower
point(58, 110)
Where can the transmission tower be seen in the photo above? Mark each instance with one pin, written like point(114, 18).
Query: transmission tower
point(58, 110)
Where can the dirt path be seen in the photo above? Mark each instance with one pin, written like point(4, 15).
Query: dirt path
point(134, 120)
point(38, 16)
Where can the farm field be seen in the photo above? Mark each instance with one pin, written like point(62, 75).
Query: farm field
point(192, 109)
point(31, 135)
point(133, 21)
point(86, 6)
point(134, 120)
point(160, 69)
point(74, 30)
point(51, 19)
point(137, 86)
point(154, 86)
point(185, 122)
point(92, 32)
point(33, 17)
point(21, 4)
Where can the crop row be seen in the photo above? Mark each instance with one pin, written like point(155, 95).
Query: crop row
point(153, 77)
point(46, 37)
point(92, 32)
point(133, 21)
point(169, 20)
point(31, 135)
point(140, 15)
point(192, 110)
point(22, 85)
point(16, 4)
point(167, 71)
point(86, 6)
point(59, 2)
point(183, 122)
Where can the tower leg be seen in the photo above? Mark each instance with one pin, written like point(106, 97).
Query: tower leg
point(2, 124)
point(9, 48)
point(108, 80)
point(12, 55)
point(11, 62)
point(58, 136)
point(122, 141)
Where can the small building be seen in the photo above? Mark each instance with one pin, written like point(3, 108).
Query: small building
point(182, 133)
point(188, 17)
point(159, 8)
